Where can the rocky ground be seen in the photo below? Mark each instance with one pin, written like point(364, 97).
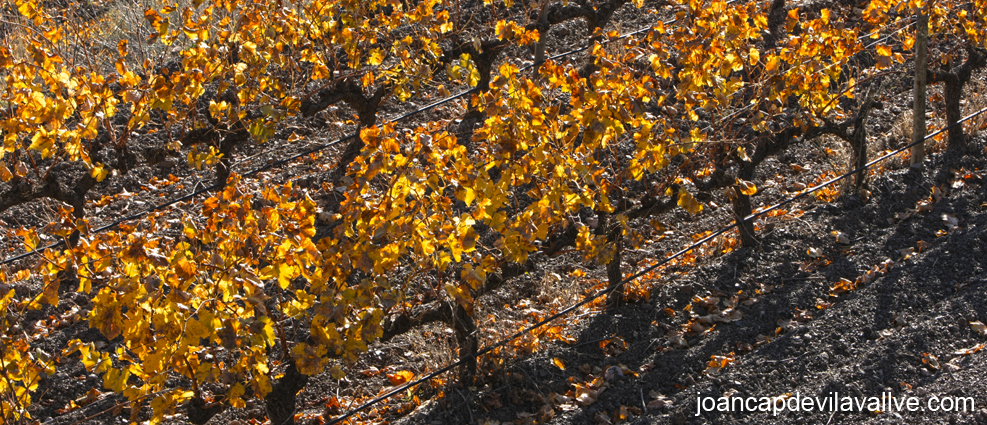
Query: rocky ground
point(910, 329)
point(848, 294)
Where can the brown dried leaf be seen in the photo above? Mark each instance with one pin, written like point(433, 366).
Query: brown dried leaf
point(843, 285)
point(545, 414)
point(930, 361)
point(801, 315)
point(614, 346)
point(864, 195)
point(677, 340)
point(622, 414)
point(525, 418)
point(586, 396)
point(491, 401)
point(718, 362)
point(658, 401)
point(969, 351)
point(951, 221)
point(730, 193)
point(730, 315)
point(627, 371)
point(20, 169)
point(899, 321)
point(786, 325)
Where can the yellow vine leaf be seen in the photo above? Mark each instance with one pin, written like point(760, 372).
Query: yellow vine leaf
point(746, 187)
point(235, 396)
point(689, 203)
point(99, 172)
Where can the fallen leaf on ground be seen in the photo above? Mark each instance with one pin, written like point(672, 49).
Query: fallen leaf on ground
point(718, 362)
point(558, 363)
point(931, 361)
point(841, 237)
point(951, 221)
point(969, 351)
point(545, 414)
point(622, 414)
point(658, 401)
point(899, 321)
point(400, 377)
point(843, 285)
point(586, 396)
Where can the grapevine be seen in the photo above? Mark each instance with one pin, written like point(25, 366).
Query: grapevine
point(262, 286)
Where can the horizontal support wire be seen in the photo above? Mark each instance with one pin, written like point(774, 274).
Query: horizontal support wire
point(557, 315)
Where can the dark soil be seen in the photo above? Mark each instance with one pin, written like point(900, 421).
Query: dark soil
point(876, 339)
point(870, 341)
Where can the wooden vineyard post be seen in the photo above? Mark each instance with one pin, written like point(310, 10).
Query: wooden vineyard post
point(921, 66)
